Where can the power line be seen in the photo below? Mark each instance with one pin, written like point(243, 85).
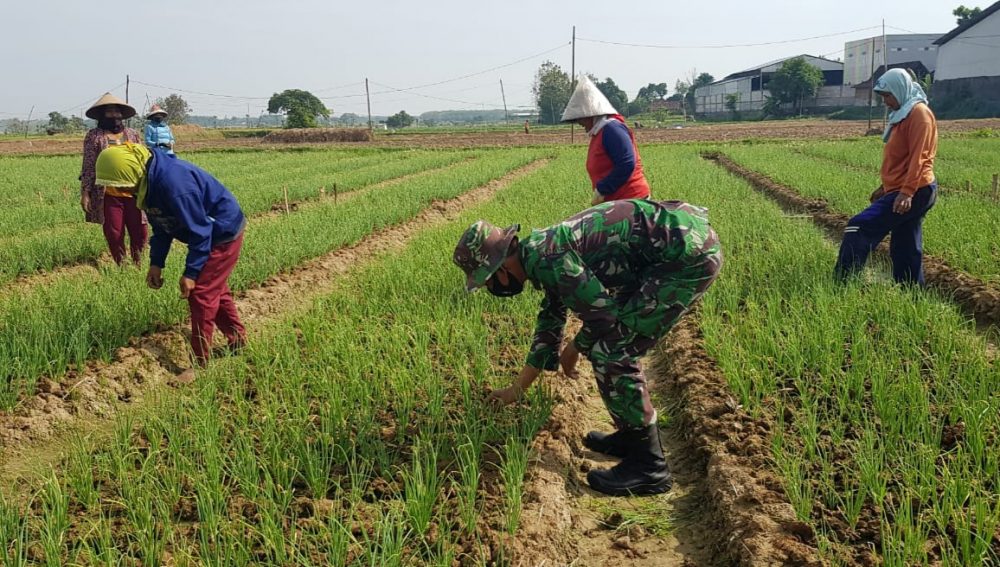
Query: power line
point(727, 46)
point(393, 89)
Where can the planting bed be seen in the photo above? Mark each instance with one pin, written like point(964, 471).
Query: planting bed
point(806, 423)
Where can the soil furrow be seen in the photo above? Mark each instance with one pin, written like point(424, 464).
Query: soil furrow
point(87, 399)
point(977, 298)
point(725, 508)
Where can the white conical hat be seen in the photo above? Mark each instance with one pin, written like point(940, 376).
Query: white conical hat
point(587, 100)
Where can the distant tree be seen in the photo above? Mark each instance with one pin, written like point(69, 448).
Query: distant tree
point(696, 81)
point(653, 91)
point(77, 124)
point(964, 14)
point(552, 90)
point(16, 126)
point(638, 105)
point(300, 107)
point(795, 81)
point(350, 118)
point(57, 123)
point(731, 101)
point(399, 120)
point(617, 97)
point(177, 108)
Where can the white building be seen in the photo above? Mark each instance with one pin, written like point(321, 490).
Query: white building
point(968, 66)
point(750, 88)
point(914, 49)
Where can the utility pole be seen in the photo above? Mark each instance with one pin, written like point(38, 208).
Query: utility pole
point(506, 117)
point(368, 96)
point(126, 89)
point(27, 125)
point(572, 84)
point(885, 60)
point(871, 87)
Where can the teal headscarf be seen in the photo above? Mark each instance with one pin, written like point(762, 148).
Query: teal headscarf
point(908, 93)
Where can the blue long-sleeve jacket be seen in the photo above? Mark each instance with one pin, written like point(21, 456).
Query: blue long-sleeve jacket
point(186, 203)
point(158, 133)
point(618, 146)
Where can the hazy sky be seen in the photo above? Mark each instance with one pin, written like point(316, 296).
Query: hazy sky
point(63, 54)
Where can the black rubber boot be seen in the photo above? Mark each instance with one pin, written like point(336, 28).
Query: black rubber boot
point(642, 471)
point(605, 443)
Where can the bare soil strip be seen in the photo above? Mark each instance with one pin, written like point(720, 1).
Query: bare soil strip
point(726, 507)
point(86, 399)
point(681, 132)
point(91, 265)
point(979, 299)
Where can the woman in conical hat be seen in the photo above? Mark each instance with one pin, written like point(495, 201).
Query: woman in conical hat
point(613, 158)
point(157, 132)
point(112, 208)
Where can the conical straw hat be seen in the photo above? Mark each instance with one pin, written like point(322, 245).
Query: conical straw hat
point(108, 100)
point(587, 101)
point(154, 110)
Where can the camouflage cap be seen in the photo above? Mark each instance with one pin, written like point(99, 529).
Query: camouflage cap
point(481, 250)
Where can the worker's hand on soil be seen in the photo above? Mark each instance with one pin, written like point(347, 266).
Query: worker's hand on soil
point(568, 360)
point(187, 286)
point(597, 200)
point(902, 204)
point(876, 194)
point(85, 202)
point(154, 277)
point(506, 396)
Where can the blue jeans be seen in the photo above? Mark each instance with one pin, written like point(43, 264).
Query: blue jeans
point(867, 229)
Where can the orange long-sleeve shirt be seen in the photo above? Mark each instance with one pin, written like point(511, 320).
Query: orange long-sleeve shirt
point(908, 157)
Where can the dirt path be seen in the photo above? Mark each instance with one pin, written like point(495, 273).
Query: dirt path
point(87, 399)
point(725, 507)
point(979, 299)
point(683, 132)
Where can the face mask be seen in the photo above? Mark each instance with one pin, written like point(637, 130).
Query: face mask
point(513, 287)
point(111, 125)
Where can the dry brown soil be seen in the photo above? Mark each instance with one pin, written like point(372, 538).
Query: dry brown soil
point(689, 132)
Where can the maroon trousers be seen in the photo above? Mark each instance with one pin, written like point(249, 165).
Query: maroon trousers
point(212, 303)
point(121, 214)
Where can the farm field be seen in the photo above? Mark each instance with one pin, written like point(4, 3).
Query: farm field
point(959, 230)
point(859, 423)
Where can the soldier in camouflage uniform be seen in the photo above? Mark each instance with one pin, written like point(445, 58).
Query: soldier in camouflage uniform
point(629, 270)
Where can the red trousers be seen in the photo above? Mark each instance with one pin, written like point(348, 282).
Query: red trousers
point(212, 303)
point(121, 214)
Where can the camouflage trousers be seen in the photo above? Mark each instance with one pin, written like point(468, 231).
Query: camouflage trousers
point(647, 314)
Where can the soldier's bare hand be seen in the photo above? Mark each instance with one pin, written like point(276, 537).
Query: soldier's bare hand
point(505, 396)
point(568, 360)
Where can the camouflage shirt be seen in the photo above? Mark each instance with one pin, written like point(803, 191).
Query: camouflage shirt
point(588, 261)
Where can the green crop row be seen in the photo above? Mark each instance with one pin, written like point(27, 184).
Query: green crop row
point(352, 433)
point(259, 182)
point(79, 317)
point(961, 162)
point(258, 190)
point(959, 229)
point(883, 401)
